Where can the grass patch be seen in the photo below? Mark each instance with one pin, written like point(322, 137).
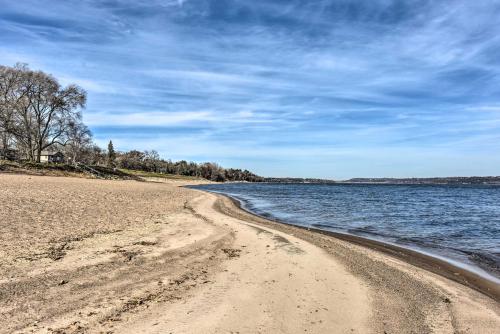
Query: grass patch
point(49, 167)
point(33, 168)
point(159, 175)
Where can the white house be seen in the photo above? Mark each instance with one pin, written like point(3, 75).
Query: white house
point(51, 156)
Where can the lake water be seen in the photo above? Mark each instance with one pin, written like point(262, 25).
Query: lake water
point(459, 223)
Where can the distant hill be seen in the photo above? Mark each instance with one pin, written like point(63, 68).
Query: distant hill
point(294, 180)
point(430, 180)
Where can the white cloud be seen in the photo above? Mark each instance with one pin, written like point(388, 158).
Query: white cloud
point(145, 119)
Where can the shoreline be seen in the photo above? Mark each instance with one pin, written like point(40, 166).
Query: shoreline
point(421, 260)
point(150, 257)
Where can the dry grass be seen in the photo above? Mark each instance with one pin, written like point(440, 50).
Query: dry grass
point(32, 168)
point(159, 175)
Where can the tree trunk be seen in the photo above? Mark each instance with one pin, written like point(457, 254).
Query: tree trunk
point(5, 145)
point(38, 154)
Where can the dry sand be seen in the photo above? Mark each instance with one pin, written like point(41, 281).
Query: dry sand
point(95, 256)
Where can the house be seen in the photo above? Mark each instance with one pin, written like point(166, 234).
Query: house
point(51, 156)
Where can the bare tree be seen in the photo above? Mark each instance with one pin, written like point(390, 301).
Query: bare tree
point(10, 95)
point(131, 160)
point(79, 141)
point(151, 160)
point(44, 114)
point(93, 155)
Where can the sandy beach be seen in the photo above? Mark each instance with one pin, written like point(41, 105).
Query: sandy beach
point(100, 256)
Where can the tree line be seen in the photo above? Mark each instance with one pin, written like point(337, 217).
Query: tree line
point(37, 114)
point(150, 161)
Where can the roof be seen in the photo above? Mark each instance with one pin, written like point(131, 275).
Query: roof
point(48, 152)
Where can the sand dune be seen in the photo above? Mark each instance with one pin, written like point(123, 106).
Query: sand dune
point(92, 256)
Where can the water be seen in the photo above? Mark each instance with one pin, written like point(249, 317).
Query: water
point(460, 223)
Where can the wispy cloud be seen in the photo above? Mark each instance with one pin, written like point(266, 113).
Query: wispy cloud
point(361, 82)
point(145, 119)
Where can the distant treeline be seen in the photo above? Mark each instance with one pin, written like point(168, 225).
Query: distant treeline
point(494, 180)
point(295, 180)
point(430, 180)
point(37, 114)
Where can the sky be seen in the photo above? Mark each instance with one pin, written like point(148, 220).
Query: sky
point(328, 89)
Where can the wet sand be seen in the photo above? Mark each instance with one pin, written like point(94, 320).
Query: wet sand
point(96, 256)
point(421, 260)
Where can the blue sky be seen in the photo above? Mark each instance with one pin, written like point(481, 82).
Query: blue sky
point(332, 89)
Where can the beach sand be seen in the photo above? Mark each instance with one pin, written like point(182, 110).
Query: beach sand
point(99, 256)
